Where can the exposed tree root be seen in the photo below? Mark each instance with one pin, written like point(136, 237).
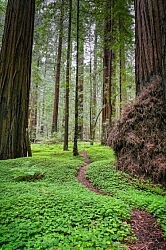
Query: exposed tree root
point(144, 225)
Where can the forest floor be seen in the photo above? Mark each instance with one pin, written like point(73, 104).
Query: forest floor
point(143, 224)
point(44, 206)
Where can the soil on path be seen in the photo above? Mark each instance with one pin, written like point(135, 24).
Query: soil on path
point(144, 225)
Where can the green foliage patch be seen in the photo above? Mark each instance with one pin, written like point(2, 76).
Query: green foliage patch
point(137, 193)
point(57, 212)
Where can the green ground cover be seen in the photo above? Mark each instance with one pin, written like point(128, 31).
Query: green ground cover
point(136, 193)
point(56, 212)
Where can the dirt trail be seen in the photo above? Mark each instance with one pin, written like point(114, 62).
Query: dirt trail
point(144, 225)
point(81, 175)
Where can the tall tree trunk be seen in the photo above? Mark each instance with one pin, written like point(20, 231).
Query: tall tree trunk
point(33, 113)
point(150, 41)
point(93, 97)
point(42, 124)
point(58, 72)
point(113, 84)
point(43, 101)
point(65, 147)
point(94, 94)
point(140, 142)
point(33, 110)
point(15, 73)
point(122, 77)
point(107, 74)
point(80, 90)
point(75, 146)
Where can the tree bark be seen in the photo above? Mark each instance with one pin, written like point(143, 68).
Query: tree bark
point(163, 32)
point(93, 109)
point(107, 74)
point(33, 113)
point(65, 147)
point(122, 77)
point(58, 72)
point(80, 90)
point(150, 42)
point(91, 96)
point(75, 146)
point(15, 73)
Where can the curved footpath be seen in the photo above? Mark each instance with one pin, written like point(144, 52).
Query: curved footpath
point(144, 225)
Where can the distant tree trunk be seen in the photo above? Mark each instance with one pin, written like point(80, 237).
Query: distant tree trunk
point(65, 147)
point(80, 91)
point(122, 66)
point(43, 101)
point(93, 97)
point(120, 82)
point(91, 91)
point(33, 113)
point(122, 77)
point(107, 65)
point(29, 151)
point(15, 73)
point(113, 85)
point(58, 72)
point(150, 42)
point(42, 127)
point(75, 146)
point(112, 66)
point(94, 94)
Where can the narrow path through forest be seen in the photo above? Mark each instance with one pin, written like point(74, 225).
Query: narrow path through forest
point(144, 225)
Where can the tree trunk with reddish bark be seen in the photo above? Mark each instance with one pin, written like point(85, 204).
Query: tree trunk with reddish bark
point(150, 42)
point(139, 136)
point(107, 73)
point(15, 73)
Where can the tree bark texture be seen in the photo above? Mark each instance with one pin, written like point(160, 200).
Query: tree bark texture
point(94, 93)
point(122, 77)
point(91, 99)
point(163, 32)
point(15, 72)
point(58, 73)
point(80, 90)
point(122, 67)
point(150, 42)
point(107, 74)
point(75, 146)
point(66, 133)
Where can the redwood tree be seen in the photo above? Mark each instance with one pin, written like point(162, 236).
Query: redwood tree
point(93, 91)
point(150, 41)
point(139, 137)
point(58, 72)
point(75, 145)
point(15, 72)
point(107, 72)
point(66, 132)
